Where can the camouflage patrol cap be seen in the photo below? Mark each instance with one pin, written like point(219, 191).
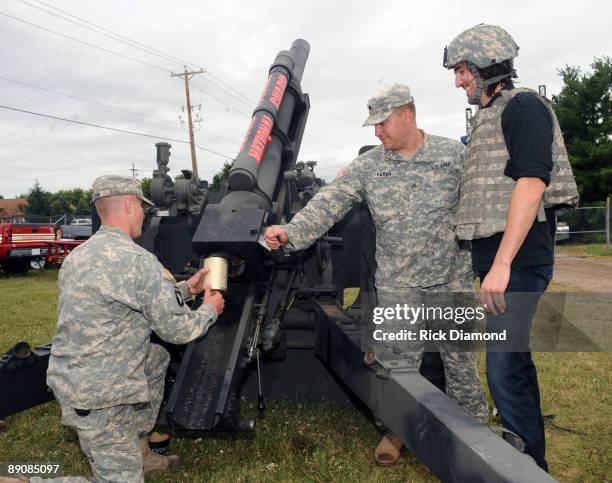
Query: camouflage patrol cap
point(482, 46)
point(386, 101)
point(111, 185)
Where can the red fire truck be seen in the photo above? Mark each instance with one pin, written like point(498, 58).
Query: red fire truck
point(21, 244)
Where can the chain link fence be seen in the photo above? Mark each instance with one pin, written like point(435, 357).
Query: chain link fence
point(587, 224)
point(53, 219)
point(42, 219)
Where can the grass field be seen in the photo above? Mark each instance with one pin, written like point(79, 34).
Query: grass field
point(316, 442)
point(592, 249)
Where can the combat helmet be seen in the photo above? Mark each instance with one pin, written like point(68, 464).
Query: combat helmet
point(481, 47)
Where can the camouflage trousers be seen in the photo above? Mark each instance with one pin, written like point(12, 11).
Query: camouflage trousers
point(463, 384)
point(109, 436)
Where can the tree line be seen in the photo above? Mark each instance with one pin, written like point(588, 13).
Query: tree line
point(583, 107)
point(78, 201)
point(584, 110)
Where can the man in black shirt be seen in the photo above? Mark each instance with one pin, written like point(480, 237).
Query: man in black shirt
point(506, 209)
point(527, 128)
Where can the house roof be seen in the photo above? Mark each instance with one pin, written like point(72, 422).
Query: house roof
point(12, 207)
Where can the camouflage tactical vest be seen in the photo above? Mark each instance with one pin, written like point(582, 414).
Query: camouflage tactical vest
point(486, 191)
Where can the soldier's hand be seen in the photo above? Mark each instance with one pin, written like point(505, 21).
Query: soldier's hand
point(214, 298)
point(492, 289)
point(196, 282)
point(276, 237)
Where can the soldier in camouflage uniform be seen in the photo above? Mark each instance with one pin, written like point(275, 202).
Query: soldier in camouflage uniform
point(410, 183)
point(104, 371)
point(516, 174)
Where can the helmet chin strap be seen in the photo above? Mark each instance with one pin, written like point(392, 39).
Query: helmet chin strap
point(474, 99)
point(482, 84)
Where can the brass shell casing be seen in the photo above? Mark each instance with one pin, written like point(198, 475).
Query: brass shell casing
point(217, 273)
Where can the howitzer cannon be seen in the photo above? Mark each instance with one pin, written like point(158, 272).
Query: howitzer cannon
point(266, 185)
point(284, 327)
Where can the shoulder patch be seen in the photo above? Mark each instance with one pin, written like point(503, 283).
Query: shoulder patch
point(342, 172)
point(166, 273)
point(179, 297)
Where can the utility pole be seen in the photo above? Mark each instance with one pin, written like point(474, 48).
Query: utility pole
point(607, 224)
point(133, 170)
point(188, 75)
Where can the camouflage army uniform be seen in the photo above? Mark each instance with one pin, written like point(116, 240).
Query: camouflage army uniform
point(113, 294)
point(413, 203)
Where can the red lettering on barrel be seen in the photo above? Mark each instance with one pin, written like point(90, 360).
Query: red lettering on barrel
point(248, 133)
point(261, 138)
point(278, 91)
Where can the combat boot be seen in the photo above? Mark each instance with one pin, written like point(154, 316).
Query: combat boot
point(152, 461)
point(159, 443)
point(388, 450)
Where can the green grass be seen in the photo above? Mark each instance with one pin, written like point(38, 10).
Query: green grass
point(575, 392)
point(313, 442)
point(28, 305)
point(318, 442)
point(592, 249)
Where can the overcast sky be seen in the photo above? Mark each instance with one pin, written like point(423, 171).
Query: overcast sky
point(357, 47)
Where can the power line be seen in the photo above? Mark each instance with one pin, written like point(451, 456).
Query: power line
point(130, 42)
point(307, 134)
point(243, 99)
point(89, 44)
point(87, 100)
point(211, 151)
point(220, 101)
point(312, 137)
point(229, 93)
point(250, 101)
point(176, 123)
point(86, 43)
point(112, 129)
point(153, 50)
point(106, 32)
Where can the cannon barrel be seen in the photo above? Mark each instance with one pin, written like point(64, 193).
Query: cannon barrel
point(272, 133)
point(256, 181)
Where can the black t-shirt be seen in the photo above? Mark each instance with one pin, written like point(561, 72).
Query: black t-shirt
point(528, 130)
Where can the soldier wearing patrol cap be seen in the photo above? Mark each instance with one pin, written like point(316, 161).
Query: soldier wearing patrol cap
point(516, 174)
point(410, 183)
point(104, 371)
